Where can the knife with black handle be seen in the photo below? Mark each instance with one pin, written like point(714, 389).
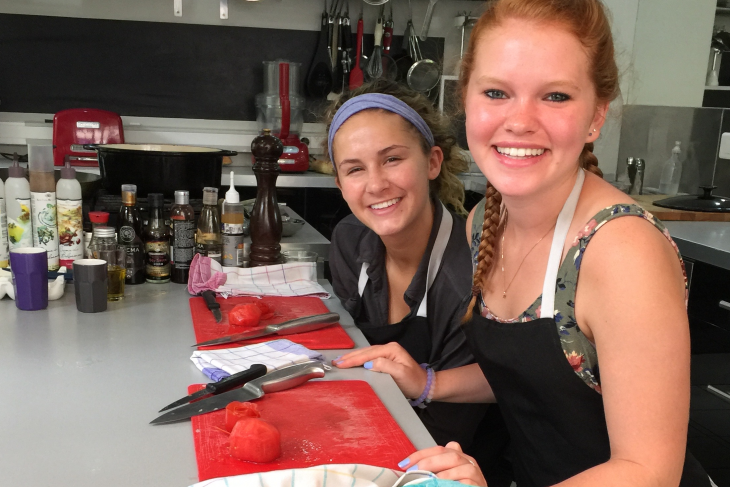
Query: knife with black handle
point(223, 385)
point(278, 380)
point(212, 304)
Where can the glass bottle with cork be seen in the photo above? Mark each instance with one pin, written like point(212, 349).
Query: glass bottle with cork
point(156, 238)
point(98, 219)
point(232, 228)
point(129, 231)
point(43, 202)
point(183, 236)
point(208, 239)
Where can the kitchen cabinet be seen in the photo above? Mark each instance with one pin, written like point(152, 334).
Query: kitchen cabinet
point(709, 307)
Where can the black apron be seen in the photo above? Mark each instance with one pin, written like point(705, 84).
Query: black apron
point(413, 332)
point(556, 422)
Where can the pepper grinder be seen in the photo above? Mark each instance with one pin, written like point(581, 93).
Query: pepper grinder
point(266, 217)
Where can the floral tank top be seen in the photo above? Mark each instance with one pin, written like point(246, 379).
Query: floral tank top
point(579, 351)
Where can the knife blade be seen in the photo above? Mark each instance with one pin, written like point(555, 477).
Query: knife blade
point(278, 380)
point(212, 305)
point(299, 325)
point(223, 385)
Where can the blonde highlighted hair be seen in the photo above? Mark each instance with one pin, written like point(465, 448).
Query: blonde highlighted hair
point(447, 187)
point(588, 21)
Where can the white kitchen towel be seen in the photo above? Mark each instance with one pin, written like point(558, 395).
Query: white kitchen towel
point(294, 279)
point(218, 364)
point(350, 475)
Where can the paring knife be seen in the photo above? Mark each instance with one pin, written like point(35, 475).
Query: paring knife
point(213, 305)
point(275, 381)
point(299, 325)
point(223, 385)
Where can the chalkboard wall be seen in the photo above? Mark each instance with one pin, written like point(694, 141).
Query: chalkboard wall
point(149, 69)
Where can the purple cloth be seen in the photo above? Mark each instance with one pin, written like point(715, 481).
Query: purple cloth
point(377, 100)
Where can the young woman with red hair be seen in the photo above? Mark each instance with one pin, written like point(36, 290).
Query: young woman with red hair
point(591, 374)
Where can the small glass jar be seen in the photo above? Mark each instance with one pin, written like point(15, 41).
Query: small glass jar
point(105, 247)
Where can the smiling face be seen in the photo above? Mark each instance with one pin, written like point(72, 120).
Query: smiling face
point(383, 172)
point(530, 106)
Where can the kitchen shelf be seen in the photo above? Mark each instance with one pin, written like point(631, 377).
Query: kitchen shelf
point(722, 10)
point(718, 88)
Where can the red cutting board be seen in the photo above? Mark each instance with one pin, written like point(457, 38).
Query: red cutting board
point(285, 309)
point(321, 422)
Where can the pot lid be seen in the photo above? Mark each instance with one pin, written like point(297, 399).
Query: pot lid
point(697, 202)
point(162, 148)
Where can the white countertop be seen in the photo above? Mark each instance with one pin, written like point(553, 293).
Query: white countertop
point(80, 390)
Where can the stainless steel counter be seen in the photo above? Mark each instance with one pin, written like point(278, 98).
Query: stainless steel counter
point(79, 391)
point(707, 242)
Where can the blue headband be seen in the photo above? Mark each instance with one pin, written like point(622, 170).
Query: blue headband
point(377, 100)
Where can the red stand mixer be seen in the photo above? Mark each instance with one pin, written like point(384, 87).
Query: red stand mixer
point(281, 110)
point(78, 126)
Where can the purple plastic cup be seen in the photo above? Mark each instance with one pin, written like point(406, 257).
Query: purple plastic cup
point(30, 278)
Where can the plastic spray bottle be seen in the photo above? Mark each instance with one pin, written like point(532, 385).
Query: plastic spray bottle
point(3, 228)
point(43, 201)
point(671, 172)
point(70, 217)
point(17, 205)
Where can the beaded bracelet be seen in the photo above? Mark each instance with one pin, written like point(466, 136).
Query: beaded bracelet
point(429, 383)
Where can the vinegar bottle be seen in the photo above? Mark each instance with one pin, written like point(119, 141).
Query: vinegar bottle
point(129, 231)
point(183, 236)
point(208, 239)
point(157, 242)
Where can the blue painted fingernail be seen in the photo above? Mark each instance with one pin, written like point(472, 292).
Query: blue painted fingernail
point(403, 463)
point(368, 365)
point(415, 467)
point(337, 358)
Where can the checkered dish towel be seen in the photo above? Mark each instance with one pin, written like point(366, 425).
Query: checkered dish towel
point(349, 475)
point(218, 364)
point(295, 279)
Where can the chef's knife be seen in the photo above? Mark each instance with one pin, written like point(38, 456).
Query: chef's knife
point(213, 305)
point(299, 325)
point(223, 385)
point(275, 381)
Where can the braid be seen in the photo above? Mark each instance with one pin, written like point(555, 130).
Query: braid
point(589, 161)
point(486, 244)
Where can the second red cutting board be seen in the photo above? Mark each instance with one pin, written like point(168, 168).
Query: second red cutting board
point(285, 309)
point(321, 422)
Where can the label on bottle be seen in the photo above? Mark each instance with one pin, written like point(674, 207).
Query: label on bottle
point(135, 263)
point(157, 259)
point(126, 234)
point(3, 235)
point(20, 229)
point(208, 250)
point(183, 243)
point(45, 228)
point(70, 231)
point(232, 228)
point(233, 250)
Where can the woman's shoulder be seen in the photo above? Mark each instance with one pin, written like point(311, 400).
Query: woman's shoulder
point(349, 229)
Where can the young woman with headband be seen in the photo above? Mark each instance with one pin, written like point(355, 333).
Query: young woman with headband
point(577, 315)
point(399, 263)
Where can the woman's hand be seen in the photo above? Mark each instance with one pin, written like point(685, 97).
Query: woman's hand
point(390, 359)
point(448, 463)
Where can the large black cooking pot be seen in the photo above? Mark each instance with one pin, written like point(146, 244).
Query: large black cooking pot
point(697, 202)
point(159, 168)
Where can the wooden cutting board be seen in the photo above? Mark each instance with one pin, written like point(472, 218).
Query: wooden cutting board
point(666, 214)
point(321, 422)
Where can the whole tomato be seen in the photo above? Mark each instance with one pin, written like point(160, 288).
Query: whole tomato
point(247, 315)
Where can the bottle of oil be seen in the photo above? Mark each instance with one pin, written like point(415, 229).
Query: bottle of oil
point(129, 231)
point(157, 242)
point(183, 236)
point(208, 240)
point(232, 228)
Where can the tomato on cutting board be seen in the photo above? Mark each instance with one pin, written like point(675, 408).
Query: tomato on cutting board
point(255, 440)
point(247, 315)
point(267, 311)
point(236, 411)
